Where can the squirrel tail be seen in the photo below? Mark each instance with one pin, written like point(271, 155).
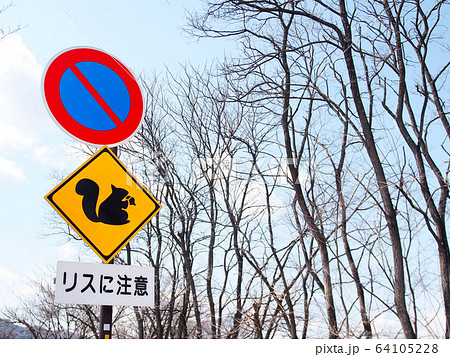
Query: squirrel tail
point(90, 191)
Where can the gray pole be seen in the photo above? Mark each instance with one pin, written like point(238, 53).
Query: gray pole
point(106, 319)
point(106, 310)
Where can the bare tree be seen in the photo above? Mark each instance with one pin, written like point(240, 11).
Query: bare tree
point(45, 319)
point(406, 29)
point(339, 32)
point(251, 28)
point(5, 32)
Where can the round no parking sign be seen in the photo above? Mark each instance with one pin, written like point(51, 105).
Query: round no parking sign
point(92, 96)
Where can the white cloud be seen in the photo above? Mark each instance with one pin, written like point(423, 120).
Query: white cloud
point(8, 282)
point(7, 277)
point(22, 112)
point(10, 135)
point(47, 156)
point(42, 154)
point(26, 129)
point(11, 170)
point(67, 252)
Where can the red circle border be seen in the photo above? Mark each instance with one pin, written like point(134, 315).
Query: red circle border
point(51, 82)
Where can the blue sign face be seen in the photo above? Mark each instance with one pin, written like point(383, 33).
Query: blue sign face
point(81, 104)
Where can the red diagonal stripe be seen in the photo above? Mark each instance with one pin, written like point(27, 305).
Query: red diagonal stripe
point(96, 95)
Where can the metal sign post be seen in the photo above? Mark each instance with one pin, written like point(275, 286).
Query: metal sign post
point(105, 328)
point(105, 320)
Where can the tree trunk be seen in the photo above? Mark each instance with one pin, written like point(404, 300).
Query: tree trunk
point(389, 211)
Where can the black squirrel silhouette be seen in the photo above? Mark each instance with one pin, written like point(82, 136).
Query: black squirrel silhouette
point(112, 210)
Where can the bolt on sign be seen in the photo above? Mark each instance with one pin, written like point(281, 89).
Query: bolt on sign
point(104, 284)
point(104, 203)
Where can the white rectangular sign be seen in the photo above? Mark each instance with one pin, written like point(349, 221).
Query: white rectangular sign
point(104, 284)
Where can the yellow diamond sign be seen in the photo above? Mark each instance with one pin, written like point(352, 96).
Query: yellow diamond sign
point(104, 203)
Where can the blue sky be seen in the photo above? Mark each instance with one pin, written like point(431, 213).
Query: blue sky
point(145, 35)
